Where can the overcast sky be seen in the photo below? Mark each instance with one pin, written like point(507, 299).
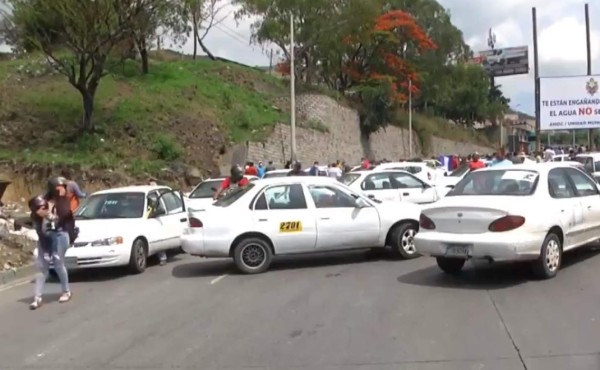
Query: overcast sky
point(561, 35)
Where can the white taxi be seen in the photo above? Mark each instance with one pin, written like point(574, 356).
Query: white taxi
point(124, 226)
point(391, 185)
point(419, 169)
point(295, 215)
point(529, 212)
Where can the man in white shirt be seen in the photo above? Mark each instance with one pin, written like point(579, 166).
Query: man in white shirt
point(335, 171)
point(548, 154)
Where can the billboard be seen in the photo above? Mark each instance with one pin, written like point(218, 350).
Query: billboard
point(505, 62)
point(569, 103)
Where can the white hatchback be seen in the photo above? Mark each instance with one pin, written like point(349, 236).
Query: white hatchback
point(527, 212)
point(391, 185)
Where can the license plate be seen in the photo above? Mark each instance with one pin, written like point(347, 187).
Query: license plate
point(457, 250)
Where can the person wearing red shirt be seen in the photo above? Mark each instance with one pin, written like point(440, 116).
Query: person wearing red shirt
point(236, 179)
point(251, 170)
point(476, 163)
point(365, 164)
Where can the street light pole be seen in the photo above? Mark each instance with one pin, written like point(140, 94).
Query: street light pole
point(292, 90)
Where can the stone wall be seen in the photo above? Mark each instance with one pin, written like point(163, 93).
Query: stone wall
point(343, 141)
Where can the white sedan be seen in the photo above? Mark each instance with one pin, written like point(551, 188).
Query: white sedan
point(122, 227)
point(527, 212)
point(419, 169)
point(202, 195)
point(391, 185)
point(295, 215)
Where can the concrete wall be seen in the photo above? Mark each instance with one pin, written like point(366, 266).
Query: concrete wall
point(343, 141)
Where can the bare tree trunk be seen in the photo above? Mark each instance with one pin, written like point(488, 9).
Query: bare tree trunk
point(144, 55)
point(195, 31)
point(88, 110)
point(204, 48)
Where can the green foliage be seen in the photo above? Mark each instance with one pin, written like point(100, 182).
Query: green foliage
point(166, 148)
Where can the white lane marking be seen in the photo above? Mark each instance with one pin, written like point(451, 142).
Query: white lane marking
point(217, 279)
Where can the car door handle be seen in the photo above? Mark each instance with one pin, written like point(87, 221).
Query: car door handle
point(262, 220)
point(324, 218)
point(589, 207)
point(405, 194)
point(562, 210)
point(183, 220)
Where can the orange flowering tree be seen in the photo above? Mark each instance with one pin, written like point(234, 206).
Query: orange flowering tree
point(377, 67)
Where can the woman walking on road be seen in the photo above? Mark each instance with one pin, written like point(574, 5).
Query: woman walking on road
point(65, 233)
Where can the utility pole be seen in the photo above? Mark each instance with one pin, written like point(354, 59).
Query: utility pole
point(491, 41)
point(410, 140)
point(589, 65)
point(271, 61)
point(536, 72)
point(292, 90)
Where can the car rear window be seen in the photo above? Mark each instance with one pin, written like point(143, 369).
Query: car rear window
point(349, 178)
point(497, 182)
point(233, 196)
point(206, 189)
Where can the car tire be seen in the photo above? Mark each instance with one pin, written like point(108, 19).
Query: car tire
point(452, 266)
point(402, 241)
point(139, 256)
point(252, 255)
point(548, 264)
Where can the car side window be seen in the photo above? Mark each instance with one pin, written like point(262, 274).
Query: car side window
point(152, 202)
point(331, 197)
point(379, 181)
point(405, 181)
point(584, 186)
point(596, 166)
point(261, 203)
point(172, 202)
point(589, 164)
point(558, 185)
point(282, 197)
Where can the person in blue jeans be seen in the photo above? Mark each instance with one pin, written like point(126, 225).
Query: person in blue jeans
point(64, 234)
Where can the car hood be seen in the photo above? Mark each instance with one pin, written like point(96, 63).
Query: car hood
point(90, 230)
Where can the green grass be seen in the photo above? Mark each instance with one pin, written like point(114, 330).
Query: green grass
point(191, 95)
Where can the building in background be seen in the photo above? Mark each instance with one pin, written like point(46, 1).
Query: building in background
point(518, 132)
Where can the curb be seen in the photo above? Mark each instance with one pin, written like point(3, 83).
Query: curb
point(10, 276)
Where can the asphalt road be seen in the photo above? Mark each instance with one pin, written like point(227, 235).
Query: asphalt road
point(345, 311)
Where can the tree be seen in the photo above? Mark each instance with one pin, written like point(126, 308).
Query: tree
point(76, 36)
point(198, 17)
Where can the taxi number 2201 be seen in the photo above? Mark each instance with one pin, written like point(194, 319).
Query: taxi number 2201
point(290, 226)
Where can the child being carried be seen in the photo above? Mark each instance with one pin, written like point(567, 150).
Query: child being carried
point(45, 226)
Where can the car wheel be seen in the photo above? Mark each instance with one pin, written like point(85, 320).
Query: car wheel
point(252, 255)
point(451, 266)
point(139, 256)
point(548, 264)
point(402, 241)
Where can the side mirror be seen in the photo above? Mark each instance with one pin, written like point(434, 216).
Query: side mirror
point(370, 196)
point(359, 203)
point(157, 213)
point(445, 173)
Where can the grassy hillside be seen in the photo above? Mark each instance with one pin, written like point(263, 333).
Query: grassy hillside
point(182, 110)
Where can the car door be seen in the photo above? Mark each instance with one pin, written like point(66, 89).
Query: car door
point(156, 223)
point(568, 207)
point(379, 186)
point(281, 212)
point(413, 189)
point(176, 219)
point(340, 223)
point(586, 190)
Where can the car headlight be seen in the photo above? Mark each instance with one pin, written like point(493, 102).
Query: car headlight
point(107, 241)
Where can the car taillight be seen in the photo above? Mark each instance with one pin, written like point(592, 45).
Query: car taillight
point(426, 223)
point(506, 223)
point(195, 223)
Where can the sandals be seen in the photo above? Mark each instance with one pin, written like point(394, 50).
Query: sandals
point(65, 297)
point(37, 302)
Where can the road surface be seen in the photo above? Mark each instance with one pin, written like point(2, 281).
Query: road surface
point(336, 312)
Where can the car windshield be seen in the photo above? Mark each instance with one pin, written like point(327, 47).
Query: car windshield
point(349, 178)
point(269, 175)
point(497, 182)
point(460, 170)
point(205, 189)
point(233, 196)
point(112, 205)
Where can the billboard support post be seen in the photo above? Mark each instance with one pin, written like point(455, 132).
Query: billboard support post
point(589, 64)
point(536, 73)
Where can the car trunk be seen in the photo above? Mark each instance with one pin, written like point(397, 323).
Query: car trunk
point(464, 219)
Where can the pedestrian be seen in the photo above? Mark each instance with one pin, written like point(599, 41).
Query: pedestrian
point(59, 207)
point(270, 167)
point(476, 163)
point(314, 170)
point(261, 170)
point(297, 170)
point(74, 192)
